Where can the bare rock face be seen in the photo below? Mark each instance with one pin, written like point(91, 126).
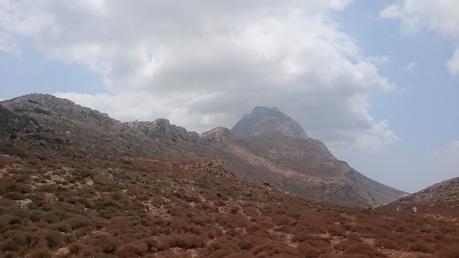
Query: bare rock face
point(162, 128)
point(12, 123)
point(264, 120)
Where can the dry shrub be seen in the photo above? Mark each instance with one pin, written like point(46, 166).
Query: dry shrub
point(294, 213)
point(322, 244)
point(78, 222)
point(353, 237)
point(42, 252)
point(106, 243)
point(223, 243)
point(244, 244)
point(75, 248)
point(387, 243)
point(270, 249)
point(450, 251)
point(343, 245)
point(251, 211)
point(132, 249)
point(280, 220)
point(241, 254)
point(5, 160)
point(307, 250)
point(336, 230)
point(302, 235)
point(311, 219)
point(420, 246)
point(361, 248)
point(239, 220)
point(53, 238)
point(185, 241)
point(221, 253)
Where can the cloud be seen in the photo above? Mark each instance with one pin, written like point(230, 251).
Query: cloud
point(204, 63)
point(6, 43)
point(453, 63)
point(410, 66)
point(440, 16)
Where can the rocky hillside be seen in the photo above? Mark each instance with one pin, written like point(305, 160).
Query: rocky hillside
point(270, 147)
point(440, 198)
point(90, 131)
point(65, 195)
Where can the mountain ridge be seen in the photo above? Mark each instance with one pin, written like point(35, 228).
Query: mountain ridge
point(110, 189)
point(281, 154)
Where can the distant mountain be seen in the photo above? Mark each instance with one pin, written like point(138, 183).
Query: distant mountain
point(264, 120)
point(442, 198)
point(269, 146)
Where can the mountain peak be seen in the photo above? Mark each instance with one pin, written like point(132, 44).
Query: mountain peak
point(264, 120)
point(260, 109)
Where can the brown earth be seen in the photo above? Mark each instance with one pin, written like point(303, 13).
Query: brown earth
point(144, 207)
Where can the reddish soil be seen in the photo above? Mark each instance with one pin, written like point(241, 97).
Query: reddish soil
point(145, 207)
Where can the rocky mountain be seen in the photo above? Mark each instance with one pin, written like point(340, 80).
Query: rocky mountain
point(440, 198)
point(264, 120)
point(11, 122)
point(270, 147)
point(94, 132)
point(72, 186)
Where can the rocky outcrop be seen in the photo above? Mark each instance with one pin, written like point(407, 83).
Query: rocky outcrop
point(162, 128)
point(12, 123)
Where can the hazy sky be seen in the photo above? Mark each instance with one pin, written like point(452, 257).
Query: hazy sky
point(378, 81)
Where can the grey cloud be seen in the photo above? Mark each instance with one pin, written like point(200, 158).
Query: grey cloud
point(205, 63)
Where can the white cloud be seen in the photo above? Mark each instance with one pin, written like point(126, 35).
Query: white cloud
point(453, 63)
point(440, 16)
point(410, 66)
point(203, 63)
point(6, 45)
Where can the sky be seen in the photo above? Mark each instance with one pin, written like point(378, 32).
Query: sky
point(377, 81)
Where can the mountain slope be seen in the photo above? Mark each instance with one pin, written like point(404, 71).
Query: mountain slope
point(275, 150)
point(58, 199)
point(440, 198)
point(269, 146)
